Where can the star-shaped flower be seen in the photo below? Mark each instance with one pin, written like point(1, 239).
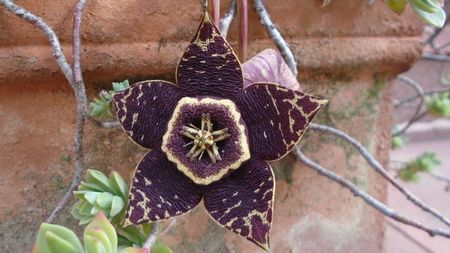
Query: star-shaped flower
point(211, 139)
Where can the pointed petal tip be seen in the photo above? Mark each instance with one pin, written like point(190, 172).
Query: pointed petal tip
point(126, 223)
point(323, 102)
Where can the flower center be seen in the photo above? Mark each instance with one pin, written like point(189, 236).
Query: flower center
point(204, 139)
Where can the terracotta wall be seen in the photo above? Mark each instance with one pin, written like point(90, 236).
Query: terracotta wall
point(348, 51)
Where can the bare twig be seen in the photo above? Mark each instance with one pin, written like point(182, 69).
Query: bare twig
point(48, 31)
point(379, 206)
point(380, 169)
point(75, 80)
point(243, 29)
point(276, 36)
point(105, 124)
point(417, 96)
point(151, 240)
point(441, 177)
point(81, 100)
point(168, 227)
point(225, 22)
point(417, 115)
point(409, 237)
point(436, 57)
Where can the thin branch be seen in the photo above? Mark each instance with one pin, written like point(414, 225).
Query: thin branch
point(105, 124)
point(436, 57)
point(81, 101)
point(276, 36)
point(441, 177)
point(409, 237)
point(75, 81)
point(379, 206)
point(417, 96)
point(417, 115)
point(171, 224)
point(225, 22)
point(151, 240)
point(379, 168)
point(243, 29)
point(48, 31)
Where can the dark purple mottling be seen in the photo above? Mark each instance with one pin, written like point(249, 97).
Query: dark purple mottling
point(276, 118)
point(242, 202)
point(150, 104)
point(160, 191)
point(228, 148)
point(209, 66)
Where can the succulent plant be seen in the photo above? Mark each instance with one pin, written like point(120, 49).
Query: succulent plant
point(430, 11)
point(438, 104)
point(100, 193)
point(101, 106)
point(425, 162)
point(99, 237)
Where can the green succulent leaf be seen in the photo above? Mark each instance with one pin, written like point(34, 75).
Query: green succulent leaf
point(398, 142)
point(104, 200)
point(94, 245)
point(398, 6)
point(118, 184)
point(161, 248)
point(438, 104)
point(101, 107)
point(133, 250)
point(54, 239)
point(425, 162)
point(98, 178)
point(433, 15)
point(120, 86)
point(117, 205)
point(100, 235)
point(100, 193)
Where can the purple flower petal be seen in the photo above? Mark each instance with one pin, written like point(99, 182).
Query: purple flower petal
point(144, 110)
point(209, 65)
point(276, 118)
point(159, 191)
point(242, 202)
point(268, 66)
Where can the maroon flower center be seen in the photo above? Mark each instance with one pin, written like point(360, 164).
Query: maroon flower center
point(206, 138)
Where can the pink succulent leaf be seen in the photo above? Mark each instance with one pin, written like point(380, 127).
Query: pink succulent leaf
point(268, 66)
point(276, 117)
point(160, 191)
point(243, 201)
point(144, 110)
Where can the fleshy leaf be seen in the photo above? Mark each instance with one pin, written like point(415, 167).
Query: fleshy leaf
point(98, 178)
point(49, 236)
point(398, 6)
point(277, 118)
point(209, 66)
point(100, 230)
point(436, 18)
point(144, 110)
point(134, 250)
point(57, 244)
point(161, 248)
point(159, 191)
point(269, 66)
point(118, 184)
point(242, 202)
